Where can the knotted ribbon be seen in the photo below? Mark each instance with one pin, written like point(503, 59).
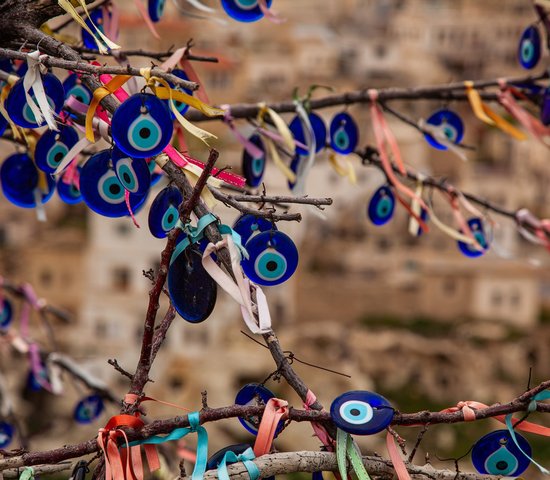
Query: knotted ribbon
point(275, 410)
point(246, 458)
point(319, 430)
point(32, 80)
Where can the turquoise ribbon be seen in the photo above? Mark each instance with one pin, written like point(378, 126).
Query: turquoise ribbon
point(196, 234)
point(508, 421)
point(27, 474)
point(539, 397)
point(202, 443)
point(346, 448)
point(246, 457)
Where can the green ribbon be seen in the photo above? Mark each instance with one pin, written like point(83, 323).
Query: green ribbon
point(346, 448)
point(27, 474)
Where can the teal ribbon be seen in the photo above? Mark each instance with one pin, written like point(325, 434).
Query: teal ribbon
point(202, 443)
point(539, 397)
point(508, 421)
point(346, 448)
point(246, 457)
point(27, 474)
point(196, 234)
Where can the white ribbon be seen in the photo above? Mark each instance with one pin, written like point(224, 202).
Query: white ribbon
point(71, 154)
point(241, 291)
point(200, 6)
point(415, 205)
point(33, 80)
point(304, 167)
point(438, 133)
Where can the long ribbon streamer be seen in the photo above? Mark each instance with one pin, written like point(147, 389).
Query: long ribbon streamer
point(395, 457)
point(304, 167)
point(33, 81)
point(275, 410)
point(346, 448)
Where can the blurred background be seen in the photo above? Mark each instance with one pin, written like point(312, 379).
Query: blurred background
point(408, 317)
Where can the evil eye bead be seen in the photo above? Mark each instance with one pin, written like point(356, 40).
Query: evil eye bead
point(156, 173)
point(88, 409)
point(254, 167)
point(3, 124)
point(248, 226)
point(529, 49)
point(217, 458)
point(294, 166)
point(244, 10)
point(19, 110)
point(68, 192)
point(35, 380)
point(272, 258)
point(164, 214)
point(476, 226)
point(319, 131)
point(142, 126)
point(381, 206)
point(101, 189)
point(22, 184)
point(155, 8)
point(192, 290)
point(424, 218)
point(74, 87)
point(132, 173)
point(361, 413)
point(6, 314)
point(52, 147)
point(497, 454)
point(181, 107)
point(254, 394)
point(452, 126)
point(344, 133)
point(6, 434)
point(545, 107)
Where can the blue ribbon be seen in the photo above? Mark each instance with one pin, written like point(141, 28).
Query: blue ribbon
point(246, 457)
point(202, 443)
point(539, 397)
point(508, 421)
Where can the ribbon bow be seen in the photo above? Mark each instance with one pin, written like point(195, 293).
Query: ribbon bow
point(246, 458)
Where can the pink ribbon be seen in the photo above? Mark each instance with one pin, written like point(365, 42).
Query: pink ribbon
point(129, 207)
point(37, 367)
point(276, 137)
point(253, 150)
point(275, 410)
point(145, 15)
point(395, 457)
point(111, 21)
point(269, 14)
point(319, 430)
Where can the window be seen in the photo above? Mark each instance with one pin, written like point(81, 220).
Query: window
point(46, 278)
point(496, 298)
point(121, 279)
point(515, 298)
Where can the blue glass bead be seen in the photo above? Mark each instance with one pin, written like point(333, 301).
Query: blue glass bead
point(254, 168)
point(360, 412)
point(452, 124)
point(68, 192)
point(248, 225)
point(6, 314)
point(164, 214)
point(381, 206)
point(52, 147)
point(101, 189)
point(215, 460)
point(254, 394)
point(142, 126)
point(20, 179)
point(244, 10)
point(74, 87)
point(319, 130)
point(88, 409)
point(545, 108)
point(529, 49)
point(155, 8)
point(192, 290)
point(97, 18)
point(476, 226)
point(18, 109)
point(181, 107)
point(344, 134)
point(294, 165)
point(272, 258)
point(132, 173)
point(6, 434)
point(496, 454)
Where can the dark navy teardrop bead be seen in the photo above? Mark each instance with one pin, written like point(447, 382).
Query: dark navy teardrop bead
point(497, 454)
point(254, 394)
point(7, 433)
point(254, 168)
point(74, 87)
point(155, 8)
point(192, 290)
point(381, 206)
point(530, 47)
point(476, 226)
point(132, 173)
point(142, 126)
point(248, 225)
point(164, 214)
point(344, 134)
point(319, 130)
point(88, 409)
point(244, 10)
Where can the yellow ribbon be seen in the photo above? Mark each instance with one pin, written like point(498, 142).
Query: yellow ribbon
point(164, 92)
point(99, 94)
point(17, 133)
point(69, 8)
point(344, 171)
point(484, 113)
point(285, 133)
